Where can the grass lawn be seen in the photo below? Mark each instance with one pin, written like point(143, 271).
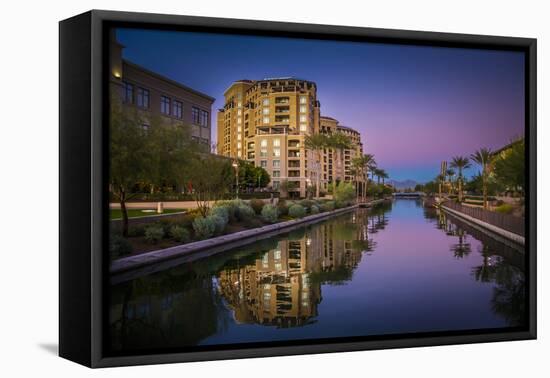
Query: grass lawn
point(136, 213)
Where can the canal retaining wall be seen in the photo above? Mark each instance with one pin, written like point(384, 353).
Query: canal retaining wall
point(215, 245)
point(497, 230)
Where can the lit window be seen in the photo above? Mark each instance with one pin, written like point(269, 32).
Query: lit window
point(239, 128)
point(303, 127)
point(239, 104)
point(303, 118)
point(265, 111)
point(303, 100)
point(128, 93)
point(239, 111)
point(239, 120)
point(276, 163)
point(265, 101)
point(277, 254)
point(177, 109)
point(239, 145)
point(263, 143)
point(164, 105)
point(276, 152)
point(303, 108)
point(239, 136)
point(276, 142)
point(143, 98)
point(266, 119)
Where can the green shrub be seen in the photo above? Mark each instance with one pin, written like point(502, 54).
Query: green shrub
point(328, 206)
point(119, 246)
point(231, 206)
point(314, 209)
point(137, 230)
point(204, 227)
point(154, 233)
point(179, 233)
point(296, 211)
point(270, 213)
point(244, 212)
point(339, 204)
point(219, 223)
point(504, 209)
point(282, 207)
point(257, 205)
point(345, 192)
point(222, 212)
point(307, 204)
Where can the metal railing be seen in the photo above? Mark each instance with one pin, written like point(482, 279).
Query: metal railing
point(505, 221)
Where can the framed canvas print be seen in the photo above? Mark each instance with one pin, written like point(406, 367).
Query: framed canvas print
point(234, 188)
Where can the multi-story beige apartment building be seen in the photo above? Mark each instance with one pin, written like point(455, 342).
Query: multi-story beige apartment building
point(154, 95)
point(336, 164)
point(265, 122)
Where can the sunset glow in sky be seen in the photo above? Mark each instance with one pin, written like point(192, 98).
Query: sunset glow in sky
point(414, 106)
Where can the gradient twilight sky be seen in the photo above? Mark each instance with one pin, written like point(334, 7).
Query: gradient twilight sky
point(414, 106)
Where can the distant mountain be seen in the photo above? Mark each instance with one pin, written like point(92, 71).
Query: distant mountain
point(402, 184)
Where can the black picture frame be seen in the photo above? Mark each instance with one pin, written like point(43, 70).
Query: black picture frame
point(83, 227)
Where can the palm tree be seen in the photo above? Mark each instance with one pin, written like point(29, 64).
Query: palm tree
point(483, 158)
point(440, 180)
point(338, 142)
point(383, 175)
point(368, 163)
point(356, 170)
point(460, 163)
point(317, 142)
point(450, 174)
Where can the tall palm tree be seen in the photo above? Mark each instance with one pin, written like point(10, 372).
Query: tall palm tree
point(338, 142)
point(383, 175)
point(317, 142)
point(483, 158)
point(357, 169)
point(450, 174)
point(440, 180)
point(368, 163)
point(460, 163)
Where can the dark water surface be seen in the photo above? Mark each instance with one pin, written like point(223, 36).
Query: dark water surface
point(397, 268)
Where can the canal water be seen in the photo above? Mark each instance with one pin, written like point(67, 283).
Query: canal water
point(393, 269)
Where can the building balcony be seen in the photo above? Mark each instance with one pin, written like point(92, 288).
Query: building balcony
point(293, 154)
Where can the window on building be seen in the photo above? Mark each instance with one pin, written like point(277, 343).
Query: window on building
point(276, 142)
point(276, 185)
point(177, 109)
point(203, 121)
point(265, 102)
point(303, 118)
point(303, 100)
point(263, 153)
point(239, 111)
point(276, 174)
point(263, 143)
point(143, 98)
point(239, 120)
point(127, 92)
point(276, 152)
point(239, 104)
point(263, 163)
point(303, 108)
point(195, 115)
point(265, 111)
point(276, 163)
point(266, 120)
point(164, 105)
point(303, 126)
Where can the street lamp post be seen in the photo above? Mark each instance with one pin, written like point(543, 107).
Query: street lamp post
point(236, 166)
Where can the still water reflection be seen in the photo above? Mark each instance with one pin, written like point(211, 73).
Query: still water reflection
point(397, 268)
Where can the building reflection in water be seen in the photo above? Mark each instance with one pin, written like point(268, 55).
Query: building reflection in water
point(276, 281)
point(282, 287)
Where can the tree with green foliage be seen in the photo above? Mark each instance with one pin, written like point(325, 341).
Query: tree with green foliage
point(130, 155)
point(345, 192)
point(338, 142)
point(483, 158)
point(316, 143)
point(460, 163)
point(210, 178)
point(509, 169)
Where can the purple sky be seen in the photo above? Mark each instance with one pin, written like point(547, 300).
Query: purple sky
point(413, 105)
